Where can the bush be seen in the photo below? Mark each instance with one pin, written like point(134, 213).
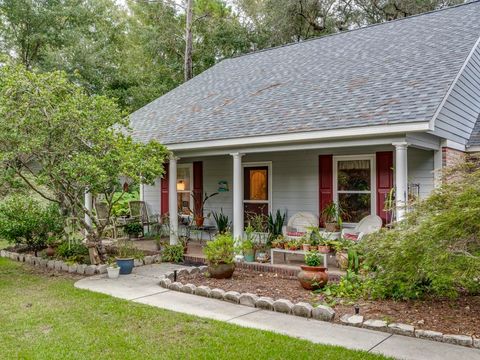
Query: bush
point(313, 258)
point(173, 253)
point(74, 251)
point(436, 250)
point(221, 250)
point(25, 221)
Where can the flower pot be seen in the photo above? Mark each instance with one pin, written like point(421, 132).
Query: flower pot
point(50, 251)
point(342, 260)
point(249, 256)
point(306, 247)
point(221, 271)
point(312, 277)
point(125, 265)
point(286, 246)
point(199, 221)
point(113, 272)
point(323, 249)
point(331, 227)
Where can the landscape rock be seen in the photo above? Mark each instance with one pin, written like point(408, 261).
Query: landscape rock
point(232, 296)
point(169, 275)
point(58, 265)
point(248, 299)
point(43, 263)
point(265, 303)
point(401, 329)
point(21, 257)
point(14, 256)
point(203, 290)
point(375, 325)
point(429, 334)
point(51, 264)
point(217, 294)
point(28, 259)
point(81, 268)
point(182, 272)
point(157, 258)
point(148, 260)
point(176, 286)
point(3, 253)
point(101, 269)
point(193, 270)
point(302, 309)
point(352, 320)
point(203, 268)
point(189, 288)
point(323, 312)
point(65, 267)
point(476, 343)
point(137, 262)
point(36, 260)
point(72, 268)
point(458, 339)
point(165, 283)
point(283, 306)
point(90, 270)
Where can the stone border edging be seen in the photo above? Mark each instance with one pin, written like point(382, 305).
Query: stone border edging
point(59, 265)
point(303, 309)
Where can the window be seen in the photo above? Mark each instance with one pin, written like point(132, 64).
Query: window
point(256, 191)
point(184, 188)
point(354, 186)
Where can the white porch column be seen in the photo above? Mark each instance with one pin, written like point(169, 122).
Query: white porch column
point(88, 205)
point(237, 196)
point(142, 189)
point(172, 200)
point(401, 179)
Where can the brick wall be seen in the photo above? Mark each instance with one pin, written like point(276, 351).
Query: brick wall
point(451, 157)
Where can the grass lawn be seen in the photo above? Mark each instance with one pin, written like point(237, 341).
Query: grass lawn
point(45, 317)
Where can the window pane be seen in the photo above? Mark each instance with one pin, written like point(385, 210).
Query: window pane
point(258, 189)
point(183, 179)
point(354, 175)
point(183, 203)
point(354, 206)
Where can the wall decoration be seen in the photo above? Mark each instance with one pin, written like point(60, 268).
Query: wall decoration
point(223, 186)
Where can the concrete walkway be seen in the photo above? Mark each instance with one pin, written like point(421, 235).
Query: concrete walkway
point(142, 287)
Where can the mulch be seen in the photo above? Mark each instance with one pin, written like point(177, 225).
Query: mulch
point(459, 316)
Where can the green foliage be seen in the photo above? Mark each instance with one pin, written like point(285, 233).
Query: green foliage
point(275, 224)
point(220, 250)
point(121, 200)
point(173, 253)
point(313, 258)
point(222, 221)
point(25, 221)
point(258, 222)
point(73, 251)
point(126, 250)
point(351, 286)
point(133, 228)
point(436, 250)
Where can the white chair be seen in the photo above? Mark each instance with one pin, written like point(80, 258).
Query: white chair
point(369, 224)
point(298, 225)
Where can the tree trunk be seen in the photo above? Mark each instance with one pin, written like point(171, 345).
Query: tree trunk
point(188, 65)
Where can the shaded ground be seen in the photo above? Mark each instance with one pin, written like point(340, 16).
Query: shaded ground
point(45, 317)
point(460, 316)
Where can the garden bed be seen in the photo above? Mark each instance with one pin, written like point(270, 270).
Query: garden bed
point(458, 316)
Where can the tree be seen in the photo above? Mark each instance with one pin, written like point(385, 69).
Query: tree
point(61, 142)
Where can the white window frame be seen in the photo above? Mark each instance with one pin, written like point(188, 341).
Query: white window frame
point(270, 192)
point(373, 181)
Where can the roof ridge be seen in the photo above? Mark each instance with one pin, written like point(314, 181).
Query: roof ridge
point(352, 30)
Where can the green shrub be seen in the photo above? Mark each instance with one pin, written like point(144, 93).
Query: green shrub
point(173, 253)
point(436, 250)
point(121, 208)
point(25, 221)
point(74, 251)
point(313, 258)
point(133, 228)
point(221, 250)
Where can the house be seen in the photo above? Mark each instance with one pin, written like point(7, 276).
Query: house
point(344, 118)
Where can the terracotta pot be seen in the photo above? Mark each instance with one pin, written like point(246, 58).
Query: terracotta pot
point(199, 221)
point(221, 271)
point(312, 277)
point(323, 249)
point(306, 247)
point(331, 227)
point(286, 246)
point(50, 251)
point(342, 260)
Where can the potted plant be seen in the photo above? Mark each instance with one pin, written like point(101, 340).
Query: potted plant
point(341, 252)
point(259, 225)
point(331, 217)
point(324, 246)
point(220, 255)
point(275, 225)
point(51, 245)
point(222, 221)
point(313, 276)
point(125, 257)
point(198, 213)
point(113, 270)
point(248, 245)
point(133, 229)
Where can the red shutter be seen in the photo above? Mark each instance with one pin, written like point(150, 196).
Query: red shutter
point(164, 191)
point(198, 185)
point(384, 165)
point(325, 180)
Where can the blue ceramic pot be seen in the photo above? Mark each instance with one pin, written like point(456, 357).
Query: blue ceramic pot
point(125, 265)
point(249, 257)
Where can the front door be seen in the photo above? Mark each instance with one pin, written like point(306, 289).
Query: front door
point(256, 191)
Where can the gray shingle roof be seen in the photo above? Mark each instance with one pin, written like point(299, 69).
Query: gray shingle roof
point(475, 136)
point(396, 72)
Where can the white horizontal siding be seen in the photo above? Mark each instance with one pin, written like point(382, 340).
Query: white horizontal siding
point(151, 196)
point(420, 170)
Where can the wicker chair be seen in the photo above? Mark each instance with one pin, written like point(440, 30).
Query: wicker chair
point(139, 212)
point(107, 221)
point(369, 224)
point(298, 225)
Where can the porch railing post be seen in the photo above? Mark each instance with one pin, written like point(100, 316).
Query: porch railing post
point(237, 196)
point(401, 179)
point(172, 199)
